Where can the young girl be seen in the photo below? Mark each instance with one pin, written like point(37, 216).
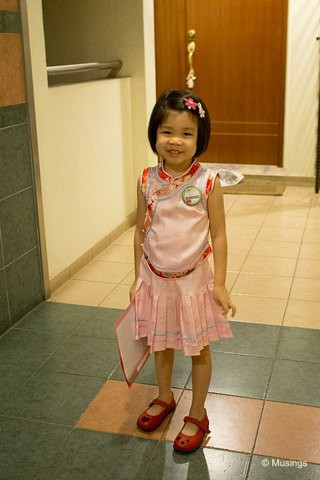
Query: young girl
point(178, 304)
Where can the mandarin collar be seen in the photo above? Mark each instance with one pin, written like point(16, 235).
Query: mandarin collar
point(194, 167)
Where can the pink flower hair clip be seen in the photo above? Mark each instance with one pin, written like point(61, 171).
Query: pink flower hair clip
point(192, 105)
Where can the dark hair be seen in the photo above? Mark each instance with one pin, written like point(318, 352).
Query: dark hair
point(175, 100)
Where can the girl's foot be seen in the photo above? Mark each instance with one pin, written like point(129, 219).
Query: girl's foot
point(150, 421)
point(190, 443)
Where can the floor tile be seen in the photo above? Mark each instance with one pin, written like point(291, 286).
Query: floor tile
point(129, 279)
point(289, 431)
point(94, 455)
point(92, 357)
point(116, 409)
point(28, 349)
point(299, 344)
point(80, 292)
point(244, 220)
point(26, 447)
point(242, 375)
point(284, 221)
point(310, 250)
point(118, 253)
point(180, 375)
point(235, 262)
point(311, 235)
point(257, 309)
point(308, 268)
point(237, 231)
point(250, 339)
point(53, 397)
point(295, 382)
point(307, 289)
point(55, 317)
point(268, 468)
point(302, 314)
point(240, 246)
point(99, 323)
point(262, 285)
point(126, 238)
point(268, 248)
point(233, 421)
point(265, 265)
point(104, 271)
point(118, 298)
point(281, 234)
point(204, 464)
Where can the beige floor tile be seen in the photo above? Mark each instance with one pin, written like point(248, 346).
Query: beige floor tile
point(129, 279)
point(280, 234)
point(311, 235)
point(125, 239)
point(290, 209)
point(248, 232)
point(302, 314)
point(116, 409)
point(233, 421)
point(239, 246)
point(117, 253)
point(262, 285)
point(259, 309)
point(269, 265)
point(250, 200)
point(119, 298)
point(109, 272)
point(308, 268)
point(306, 289)
point(235, 262)
point(275, 249)
point(81, 292)
point(284, 221)
point(310, 250)
point(245, 219)
point(231, 278)
point(289, 431)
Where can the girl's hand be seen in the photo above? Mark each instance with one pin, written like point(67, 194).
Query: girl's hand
point(132, 291)
point(222, 297)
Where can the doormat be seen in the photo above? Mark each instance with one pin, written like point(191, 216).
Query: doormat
point(256, 186)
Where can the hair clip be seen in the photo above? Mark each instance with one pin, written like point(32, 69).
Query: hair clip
point(191, 104)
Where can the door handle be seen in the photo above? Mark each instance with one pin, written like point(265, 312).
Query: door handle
point(191, 49)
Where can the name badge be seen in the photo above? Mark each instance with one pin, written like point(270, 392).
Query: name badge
point(191, 196)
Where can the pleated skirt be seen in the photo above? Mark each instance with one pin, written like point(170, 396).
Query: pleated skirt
point(179, 313)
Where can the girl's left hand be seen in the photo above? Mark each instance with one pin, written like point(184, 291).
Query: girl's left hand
point(222, 297)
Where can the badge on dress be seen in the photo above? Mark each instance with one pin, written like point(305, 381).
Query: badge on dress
point(191, 196)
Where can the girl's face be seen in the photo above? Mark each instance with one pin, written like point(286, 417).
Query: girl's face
point(177, 141)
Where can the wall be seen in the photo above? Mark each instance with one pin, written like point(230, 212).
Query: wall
point(86, 154)
point(302, 87)
point(21, 287)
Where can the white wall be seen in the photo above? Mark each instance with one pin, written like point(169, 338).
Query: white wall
point(302, 86)
point(85, 154)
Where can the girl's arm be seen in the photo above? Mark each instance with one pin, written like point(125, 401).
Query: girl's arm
point(138, 237)
point(219, 246)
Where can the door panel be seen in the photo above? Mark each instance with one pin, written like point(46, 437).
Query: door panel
point(239, 64)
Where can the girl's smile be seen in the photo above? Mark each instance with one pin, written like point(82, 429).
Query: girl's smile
point(177, 141)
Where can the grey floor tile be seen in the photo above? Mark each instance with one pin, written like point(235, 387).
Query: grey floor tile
point(53, 397)
point(101, 456)
point(241, 375)
point(28, 349)
point(250, 339)
point(99, 323)
point(266, 468)
point(55, 317)
point(96, 357)
point(299, 344)
point(11, 379)
point(180, 375)
point(27, 447)
point(295, 382)
point(204, 464)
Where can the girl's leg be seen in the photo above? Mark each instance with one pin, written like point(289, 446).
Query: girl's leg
point(164, 366)
point(201, 376)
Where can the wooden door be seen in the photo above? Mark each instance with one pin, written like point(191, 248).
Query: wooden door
point(239, 64)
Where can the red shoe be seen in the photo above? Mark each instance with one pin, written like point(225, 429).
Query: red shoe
point(184, 443)
point(149, 422)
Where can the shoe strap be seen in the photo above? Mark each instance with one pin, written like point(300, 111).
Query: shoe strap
point(201, 424)
point(157, 401)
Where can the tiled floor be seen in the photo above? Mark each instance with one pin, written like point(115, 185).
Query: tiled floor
point(66, 413)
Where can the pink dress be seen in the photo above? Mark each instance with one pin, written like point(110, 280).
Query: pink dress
point(174, 302)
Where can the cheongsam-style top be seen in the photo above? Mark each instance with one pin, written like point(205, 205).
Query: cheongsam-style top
point(176, 224)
